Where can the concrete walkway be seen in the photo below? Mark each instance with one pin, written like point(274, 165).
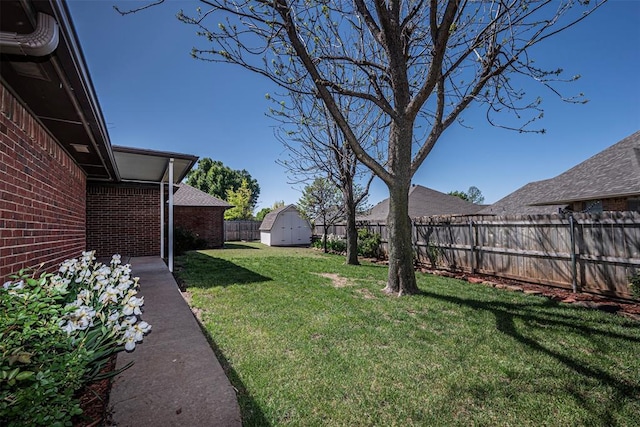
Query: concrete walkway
point(176, 379)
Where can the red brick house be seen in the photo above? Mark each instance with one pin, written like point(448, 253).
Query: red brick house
point(200, 213)
point(63, 187)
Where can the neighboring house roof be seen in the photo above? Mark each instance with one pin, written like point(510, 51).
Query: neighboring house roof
point(270, 218)
point(614, 172)
point(424, 201)
point(189, 196)
point(517, 203)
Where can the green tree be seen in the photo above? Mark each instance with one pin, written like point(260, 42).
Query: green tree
point(322, 201)
point(241, 201)
point(213, 177)
point(264, 211)
point(473, 195)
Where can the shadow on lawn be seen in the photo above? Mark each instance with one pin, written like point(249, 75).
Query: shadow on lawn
point(204, 271)
point(238, 246)
point(541, 316)
point(250, 410)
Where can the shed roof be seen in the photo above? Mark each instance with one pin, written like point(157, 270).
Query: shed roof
point(613, 172)
point(190, 196)
point(425, 201)
point(270, 218)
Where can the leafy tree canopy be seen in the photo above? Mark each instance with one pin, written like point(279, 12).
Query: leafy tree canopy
point(241, 201)
point(473, 195)
point(213, 177)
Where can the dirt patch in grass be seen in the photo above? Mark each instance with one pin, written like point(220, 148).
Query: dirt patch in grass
point(366, 293)
point(196, 311)
point(337, 281)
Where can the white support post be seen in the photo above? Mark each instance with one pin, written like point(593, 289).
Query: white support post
point(161, 219)
point(170, 261)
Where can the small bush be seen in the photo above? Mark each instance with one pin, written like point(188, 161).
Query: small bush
point(186, 240)
point(335, 243)
point(58, 331)
point(368, 243)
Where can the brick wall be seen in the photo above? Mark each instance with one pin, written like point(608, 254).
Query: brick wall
point(618, 204)
point(123, 219)
point(42, 194)
point(205, 221)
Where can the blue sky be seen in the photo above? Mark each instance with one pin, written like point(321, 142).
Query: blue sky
point(154, 95)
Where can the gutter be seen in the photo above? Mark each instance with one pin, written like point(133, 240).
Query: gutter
point(41, 42)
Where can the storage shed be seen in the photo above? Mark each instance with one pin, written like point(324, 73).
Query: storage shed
point(285, 227)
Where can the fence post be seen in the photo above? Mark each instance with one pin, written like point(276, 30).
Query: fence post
point(574, 272)
point(472, 243)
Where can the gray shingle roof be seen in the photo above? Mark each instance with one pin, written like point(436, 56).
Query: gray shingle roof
point(270, 218)
point(614, 172)
point(424, 201)
point(189, 196)
point(517, 203)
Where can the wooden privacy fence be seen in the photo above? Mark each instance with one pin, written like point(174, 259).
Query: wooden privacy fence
point(241, 230)
point(587, 252)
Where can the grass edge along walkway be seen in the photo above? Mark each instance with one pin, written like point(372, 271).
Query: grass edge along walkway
point(309, 341)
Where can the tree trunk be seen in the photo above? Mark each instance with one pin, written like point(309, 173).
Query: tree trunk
point(324, 236)
point(352, 231)
point(402, 277)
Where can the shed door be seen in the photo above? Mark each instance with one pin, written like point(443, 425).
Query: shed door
point(291, 229)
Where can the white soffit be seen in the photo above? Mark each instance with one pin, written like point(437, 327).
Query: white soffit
point(150, 166)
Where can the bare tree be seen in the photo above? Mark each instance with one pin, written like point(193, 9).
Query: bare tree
point(316, 147)
point(420, 62)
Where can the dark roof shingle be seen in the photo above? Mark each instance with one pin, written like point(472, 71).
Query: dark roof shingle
point(517, 203)
point(189, 196)
point(613, 172)
point(424, 201)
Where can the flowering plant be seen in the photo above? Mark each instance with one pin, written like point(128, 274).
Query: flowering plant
point(58, 331)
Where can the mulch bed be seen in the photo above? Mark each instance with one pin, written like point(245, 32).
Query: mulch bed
point(627, 308)
point(94, 399)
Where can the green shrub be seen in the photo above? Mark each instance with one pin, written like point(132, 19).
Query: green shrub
point(634, 285)
point(335, 243)
point(186, 240)
point(58, 331)
point(368, 243)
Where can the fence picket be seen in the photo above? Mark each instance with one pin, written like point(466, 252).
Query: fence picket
point(532, 248)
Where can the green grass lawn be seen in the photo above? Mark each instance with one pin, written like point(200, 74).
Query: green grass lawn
point(310, 341)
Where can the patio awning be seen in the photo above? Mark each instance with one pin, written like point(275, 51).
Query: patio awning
point(149, 166)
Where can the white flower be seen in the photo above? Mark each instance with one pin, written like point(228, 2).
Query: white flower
point(140, 329)
point(84, 297)
point(82, 275)
point(110, 294)
point(129, 341)
point(80, 319)
point(88, 256)
point(128, 321)
point(115, 259)
point(59, 284)
point(83, 317)
point(132, 305)
point(10, 286)
point(113, 317)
